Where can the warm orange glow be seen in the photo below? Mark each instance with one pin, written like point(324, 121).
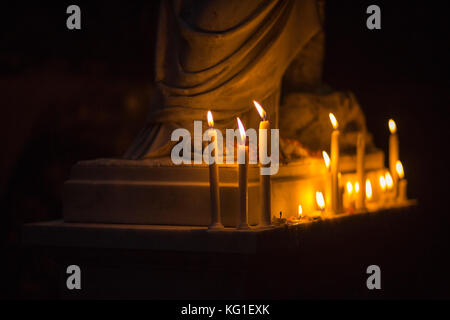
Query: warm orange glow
point(399, 168)
point(300, 211)
point(210, 119)
point(241, 130)
point(261, 111)
point(326, 158)
point(392, 126)
point(356, 187)
point(382, 183)
point(320, 200)
point(333, 120)
point(349, 188)
point(389, 181)
point(368, 189)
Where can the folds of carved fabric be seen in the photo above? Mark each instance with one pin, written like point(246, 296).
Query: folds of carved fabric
point(265, 43)
point(155, 139)
point(262, 46)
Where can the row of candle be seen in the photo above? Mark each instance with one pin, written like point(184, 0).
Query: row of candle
point(392, 183)
point(243, 159)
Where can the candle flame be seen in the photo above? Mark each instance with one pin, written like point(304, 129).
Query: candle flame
point(210, 119)
point(300, 210)
point(241, 130)
point(382, 183)
point(326, 158)
point(356, 187)
point(261, 111)
point(392, 126)
point(389, 181)
point(349, 187)
point(368, 189)
point(333, 120)
point(399, 168)
point(320, 200)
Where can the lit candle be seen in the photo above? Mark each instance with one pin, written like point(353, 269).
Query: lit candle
point(357, 192)
point(214, 179)
point(242, 154)
point(341, 192)
point(328, 183)
point(383, 189)
point(402, 183)
point(300, 212)
point(389, 181)
point(368, 190)
point(320, 207)
point(264, 130)
point(320, 201)
point(360, 172)
point(350, 199)
point(389, 186)
point(393, 150)
point(335, 192)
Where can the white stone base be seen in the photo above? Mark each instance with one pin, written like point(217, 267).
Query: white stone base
point(155, 192)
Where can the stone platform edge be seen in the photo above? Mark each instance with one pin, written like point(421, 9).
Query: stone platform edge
point(178, 238)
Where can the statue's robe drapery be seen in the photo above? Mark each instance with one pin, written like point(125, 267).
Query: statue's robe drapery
point(220, 55)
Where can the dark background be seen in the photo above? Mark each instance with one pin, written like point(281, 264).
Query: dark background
point(73, 95)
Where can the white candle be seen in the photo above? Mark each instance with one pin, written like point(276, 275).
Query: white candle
point(242, 153)
point(390, 194)
point(349, 196)
point(320, 204)
point(328, 183)
point(214, 180)
point(393, 151)
point(300, 212)
point(357, 190)
point(360, 170)
point(335, 193)
point(402, 183)
point(264, 149)
point(369, 193)
point(383, 190)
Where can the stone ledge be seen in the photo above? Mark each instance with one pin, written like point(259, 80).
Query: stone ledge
point(150, 237)
point(189, 239)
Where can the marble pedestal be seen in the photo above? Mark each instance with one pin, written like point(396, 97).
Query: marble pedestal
point(155, 192)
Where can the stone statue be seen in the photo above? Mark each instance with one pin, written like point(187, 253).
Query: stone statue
point(220, 55)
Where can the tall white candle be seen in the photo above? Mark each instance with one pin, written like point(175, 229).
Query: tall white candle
point(393, 152)
point(335, 194)
point(242, 153)
point(360, 170)
point(264, 149)
point(214, 180)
